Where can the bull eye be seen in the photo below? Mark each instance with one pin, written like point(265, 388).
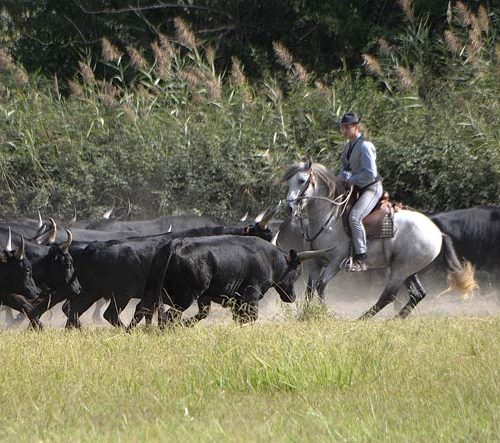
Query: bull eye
point(302, 181)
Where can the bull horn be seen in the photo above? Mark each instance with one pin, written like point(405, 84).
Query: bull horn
point(170, 229)
point(274, 241)
point(265, 216)
point(107, 214)
point(65, 246)
point(53, 232)
point(242, 219)
point(309, 255)
point(40, 221)
point(20, 252)
point(9, 242)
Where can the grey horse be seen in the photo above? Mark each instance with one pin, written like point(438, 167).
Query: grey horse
point(317, 202)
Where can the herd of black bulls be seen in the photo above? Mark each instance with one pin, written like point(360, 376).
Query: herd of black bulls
point(177, 260)
point(232, 265)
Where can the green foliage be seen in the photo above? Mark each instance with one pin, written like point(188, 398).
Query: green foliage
point(175, 133)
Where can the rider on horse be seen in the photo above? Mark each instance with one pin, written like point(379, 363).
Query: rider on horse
point(359, 170)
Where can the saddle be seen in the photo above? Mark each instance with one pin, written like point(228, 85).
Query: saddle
point(379, 223)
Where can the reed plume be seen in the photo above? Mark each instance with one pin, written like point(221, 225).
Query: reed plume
point(237, 75)
point(184, 34)
point(372, 65)
point(110, 53)
point(136, 59)
point(283, 55)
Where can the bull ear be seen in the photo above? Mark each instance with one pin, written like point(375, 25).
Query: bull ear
point(4, 258)
point(20, 251)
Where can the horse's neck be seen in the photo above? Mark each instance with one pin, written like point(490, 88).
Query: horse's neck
point(321, 211)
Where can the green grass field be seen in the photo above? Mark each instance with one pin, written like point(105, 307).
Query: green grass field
point(424, 379)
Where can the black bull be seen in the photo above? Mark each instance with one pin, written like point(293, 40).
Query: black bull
point(476, 236)
point(119, 269)
point(229, 270)
point(17, 286)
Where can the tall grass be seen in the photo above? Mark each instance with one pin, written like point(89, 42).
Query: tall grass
point(321, 380)
point(170, 132)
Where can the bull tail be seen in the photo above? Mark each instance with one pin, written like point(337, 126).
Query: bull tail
point(158, 271)
point(460, 274)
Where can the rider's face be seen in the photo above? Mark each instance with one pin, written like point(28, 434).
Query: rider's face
point(349, 131)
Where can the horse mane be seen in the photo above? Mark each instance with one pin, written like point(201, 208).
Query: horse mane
point(318, 171)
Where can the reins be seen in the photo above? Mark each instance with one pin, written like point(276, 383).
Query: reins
point(338, 202)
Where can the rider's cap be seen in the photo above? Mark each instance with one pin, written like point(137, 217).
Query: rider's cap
point(349, 118)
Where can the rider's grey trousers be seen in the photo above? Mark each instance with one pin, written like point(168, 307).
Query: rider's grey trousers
point(369, 198)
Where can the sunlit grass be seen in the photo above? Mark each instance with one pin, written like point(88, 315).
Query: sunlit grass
point(324, 379)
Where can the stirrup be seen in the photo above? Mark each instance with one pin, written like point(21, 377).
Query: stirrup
point(352, 265)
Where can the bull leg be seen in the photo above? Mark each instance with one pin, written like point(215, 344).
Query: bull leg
point(78, 306)
point(142, 309)
point(112, 313)
point(21, 304)
point(145, 308)
point(66, 308)
point(203, 311)
point(47, 301)
point(417, 294)
point(246, 307)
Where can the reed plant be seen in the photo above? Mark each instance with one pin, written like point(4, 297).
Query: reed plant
point(170, 132)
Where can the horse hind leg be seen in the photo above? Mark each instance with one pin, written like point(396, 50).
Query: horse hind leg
point(417, 294)
point(388, 295)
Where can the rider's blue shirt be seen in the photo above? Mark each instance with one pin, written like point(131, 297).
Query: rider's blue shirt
point(360, 169)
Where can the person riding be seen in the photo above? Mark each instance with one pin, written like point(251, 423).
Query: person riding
point(359, 170)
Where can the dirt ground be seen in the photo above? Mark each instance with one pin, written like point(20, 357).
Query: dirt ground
point(348, 296)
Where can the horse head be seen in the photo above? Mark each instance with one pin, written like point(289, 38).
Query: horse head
point(307, 180)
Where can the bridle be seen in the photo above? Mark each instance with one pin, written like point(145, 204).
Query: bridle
point(338, 204)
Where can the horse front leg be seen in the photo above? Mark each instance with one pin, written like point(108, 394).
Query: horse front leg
point(313, 270)
point(326, 276)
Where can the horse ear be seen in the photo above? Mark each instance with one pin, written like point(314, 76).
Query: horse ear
point(307, 161)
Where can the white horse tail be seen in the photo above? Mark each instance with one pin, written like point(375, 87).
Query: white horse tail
point(460, 274)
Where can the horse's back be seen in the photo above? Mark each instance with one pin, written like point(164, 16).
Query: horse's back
point(416, 234)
